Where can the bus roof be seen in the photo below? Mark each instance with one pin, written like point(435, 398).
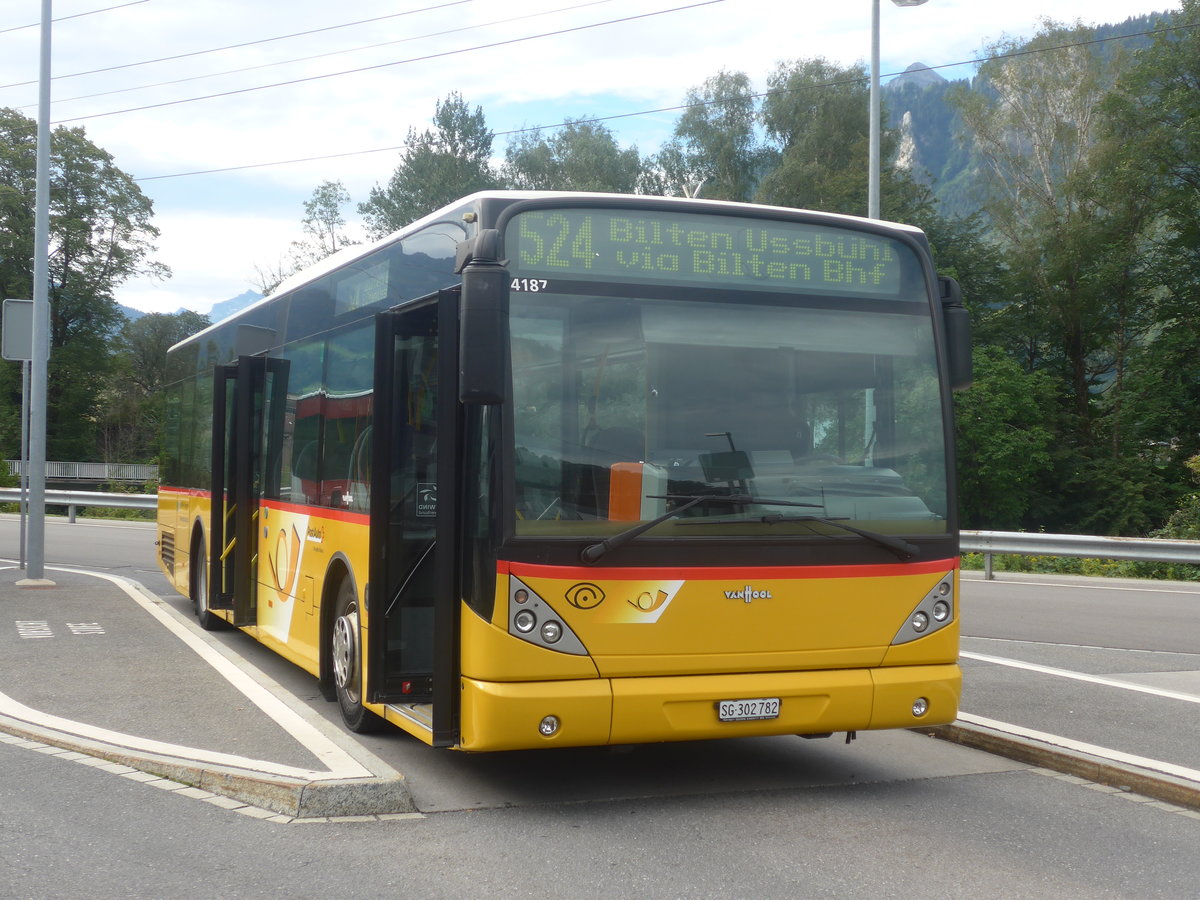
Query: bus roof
point(347, 255)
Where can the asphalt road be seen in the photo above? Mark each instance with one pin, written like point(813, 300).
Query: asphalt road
point(69, 831)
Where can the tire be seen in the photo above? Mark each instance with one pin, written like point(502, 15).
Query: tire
point(199, 590)
point(345, 655)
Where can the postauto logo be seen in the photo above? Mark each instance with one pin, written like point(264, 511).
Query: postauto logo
point(747, 594)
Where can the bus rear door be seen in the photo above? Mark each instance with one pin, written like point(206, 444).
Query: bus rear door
point(240, 399)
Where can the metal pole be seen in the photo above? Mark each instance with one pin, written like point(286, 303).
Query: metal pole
point(873, 162)
point(35, 571)
point(24, 506)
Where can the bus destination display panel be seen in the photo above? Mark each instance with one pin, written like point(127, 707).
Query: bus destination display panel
point(709, 250)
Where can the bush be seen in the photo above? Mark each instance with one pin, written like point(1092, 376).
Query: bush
point(1101, 568)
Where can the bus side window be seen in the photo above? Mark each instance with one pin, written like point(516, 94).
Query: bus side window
point(346, 416)
point(304, 474)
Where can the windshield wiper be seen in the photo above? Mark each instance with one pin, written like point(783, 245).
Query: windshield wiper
point(902, 548)
point(593, 552)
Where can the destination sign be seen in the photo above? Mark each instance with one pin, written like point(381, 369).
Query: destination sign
point(712, 250)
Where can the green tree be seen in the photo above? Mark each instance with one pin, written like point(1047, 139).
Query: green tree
point(715, 152)
point(1075, 208)
point(816, 114)
point(1006, 443)
point(579, 156)
point(671, 172)
point(1065, 209)
point(1154, 115)
point(324, 225)
point(100, 236)
point(324, 228)
point(132, 402)
point(437, 167)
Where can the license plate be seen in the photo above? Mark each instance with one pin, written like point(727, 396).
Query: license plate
point(748, 710)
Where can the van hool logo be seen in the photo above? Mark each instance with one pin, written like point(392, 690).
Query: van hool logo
point(748, 593)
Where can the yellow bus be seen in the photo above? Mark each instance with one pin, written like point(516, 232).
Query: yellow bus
point(557, 469)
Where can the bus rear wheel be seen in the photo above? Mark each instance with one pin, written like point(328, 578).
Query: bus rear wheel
point(345, 646)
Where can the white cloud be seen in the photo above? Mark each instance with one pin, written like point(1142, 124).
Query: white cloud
point(212, 257)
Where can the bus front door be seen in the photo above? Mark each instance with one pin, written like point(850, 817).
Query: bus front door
point(413, 658)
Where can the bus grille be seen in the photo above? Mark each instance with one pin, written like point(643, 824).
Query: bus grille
point(166, 550)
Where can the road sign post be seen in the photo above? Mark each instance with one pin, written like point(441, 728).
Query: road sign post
point(16, 343)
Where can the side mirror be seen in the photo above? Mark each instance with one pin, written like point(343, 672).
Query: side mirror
point(482, 321)
point(956, 326)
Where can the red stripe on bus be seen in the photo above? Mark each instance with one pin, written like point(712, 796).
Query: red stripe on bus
point(187, 492)
point(695, 573)
point(319, 512)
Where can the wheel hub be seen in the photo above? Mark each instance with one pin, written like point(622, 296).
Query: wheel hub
point(345, 651)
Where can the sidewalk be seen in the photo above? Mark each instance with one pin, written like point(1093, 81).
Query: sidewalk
point(99, 665)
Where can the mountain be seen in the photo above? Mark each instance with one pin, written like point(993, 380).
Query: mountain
point(917, 75)
point(928, 128)
point(227, 308)
point(220, 311)
point(930, 131)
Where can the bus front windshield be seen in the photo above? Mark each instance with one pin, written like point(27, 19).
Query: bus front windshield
point(625, 408)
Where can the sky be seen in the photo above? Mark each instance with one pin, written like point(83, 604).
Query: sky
point(172, 88)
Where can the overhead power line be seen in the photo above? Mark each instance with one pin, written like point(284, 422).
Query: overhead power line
point(281, 37)
point(664, 109)
point(284, 62)
point(426, 58)
point(65, 18)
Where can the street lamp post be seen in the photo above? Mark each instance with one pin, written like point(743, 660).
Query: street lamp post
point(873, 163)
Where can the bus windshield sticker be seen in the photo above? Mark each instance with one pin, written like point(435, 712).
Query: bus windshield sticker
point(427, 499)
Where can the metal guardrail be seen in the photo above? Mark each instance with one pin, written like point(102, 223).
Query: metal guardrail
point(91, 471)
point(989, 543)
point(72, 500)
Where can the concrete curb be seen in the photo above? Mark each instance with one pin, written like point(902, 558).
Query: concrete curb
point(381, 792)
point(296, 797)
point(1122, 776)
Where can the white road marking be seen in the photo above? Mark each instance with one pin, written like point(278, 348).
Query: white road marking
point(340, 764)
point(29, 630)
point(11, 708)
point(85, 628)
point(1055, 740)
point(1081, 676)
point(1028, 643)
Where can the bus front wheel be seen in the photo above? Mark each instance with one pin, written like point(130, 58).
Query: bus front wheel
point(204, 615)
point(346, 655)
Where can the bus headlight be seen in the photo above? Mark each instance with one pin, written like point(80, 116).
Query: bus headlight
point(920, 707)
point(532, 618)
point(934, 612)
